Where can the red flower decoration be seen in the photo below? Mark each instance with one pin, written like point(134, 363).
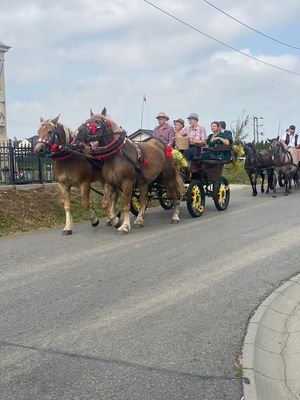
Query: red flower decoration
point(93, 128)
point(145, 162)
point(53, 146)
point(108, 124)
point(168, 151)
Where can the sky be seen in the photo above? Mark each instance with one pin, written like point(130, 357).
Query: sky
point(68, 57)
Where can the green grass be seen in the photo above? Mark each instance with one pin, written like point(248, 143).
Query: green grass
point(236, 173)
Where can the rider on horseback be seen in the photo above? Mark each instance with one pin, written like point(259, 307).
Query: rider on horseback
point(289, 140)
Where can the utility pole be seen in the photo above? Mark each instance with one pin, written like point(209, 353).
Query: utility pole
point(256, 126)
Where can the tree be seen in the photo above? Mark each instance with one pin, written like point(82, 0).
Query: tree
point(238, 128)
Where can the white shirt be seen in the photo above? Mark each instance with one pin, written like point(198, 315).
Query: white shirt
point(292, 139)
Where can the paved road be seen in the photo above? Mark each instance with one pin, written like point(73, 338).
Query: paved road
point(158, 314)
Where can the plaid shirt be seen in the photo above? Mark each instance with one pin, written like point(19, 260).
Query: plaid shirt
point(195, 135)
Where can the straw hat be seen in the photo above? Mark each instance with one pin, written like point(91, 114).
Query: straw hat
point(180, 120)
point(162, 115)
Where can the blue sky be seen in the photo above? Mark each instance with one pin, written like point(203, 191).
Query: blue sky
point(69, 56)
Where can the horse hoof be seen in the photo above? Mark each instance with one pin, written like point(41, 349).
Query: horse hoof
point(175, 221)
point(108, 223)
point(262, 190)
point(274, 196)
point(254, 194)
point(122, 231)
point(95, 223)
point(118, 224)
point(285, 194)
point(138, 225)
point(67, 232)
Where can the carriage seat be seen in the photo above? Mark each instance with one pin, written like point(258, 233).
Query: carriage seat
point(212, 150)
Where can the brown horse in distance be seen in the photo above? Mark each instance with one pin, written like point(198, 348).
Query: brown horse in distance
point(71, 169)
point(125, 170)
point(286, 164)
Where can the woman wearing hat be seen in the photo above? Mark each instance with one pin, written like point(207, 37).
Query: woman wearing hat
point(164, 131)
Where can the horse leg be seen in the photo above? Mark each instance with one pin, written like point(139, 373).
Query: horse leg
point(126, 199)
point(254, 192)
point(65, 191)
point(174, 189)
point(274, 184)
point(112, 212)
point(262, 190)
point(108, 200)
point(290, 183)
point(85, 188)
point(139, 222)
point(286, 182)
point(254, 183)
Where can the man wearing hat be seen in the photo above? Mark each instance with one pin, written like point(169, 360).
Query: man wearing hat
point(197, 137)
point(164, 131)
point(290, 141)
point(289, 138)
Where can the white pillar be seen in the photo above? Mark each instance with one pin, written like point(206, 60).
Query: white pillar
point(3, 124)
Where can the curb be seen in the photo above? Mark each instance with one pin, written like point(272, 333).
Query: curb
point(267, 365)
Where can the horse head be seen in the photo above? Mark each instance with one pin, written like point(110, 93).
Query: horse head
point(276, 147)
point(51, 134)
point(250, 152)
point(99, 127)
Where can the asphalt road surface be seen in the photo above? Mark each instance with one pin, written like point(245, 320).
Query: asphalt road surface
point(158, 314)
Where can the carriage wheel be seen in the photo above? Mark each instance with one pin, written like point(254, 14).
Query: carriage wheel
point(135, 202)
point(164, 200)
point(195, 199)
point(221, 193)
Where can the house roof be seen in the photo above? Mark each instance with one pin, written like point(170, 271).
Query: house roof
point(32, 140)
point(141, 131)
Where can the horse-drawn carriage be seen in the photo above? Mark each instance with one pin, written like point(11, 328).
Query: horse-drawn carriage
point(127, 172)
point(202, 179)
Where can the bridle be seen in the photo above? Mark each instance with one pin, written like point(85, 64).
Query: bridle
point(52, 135)
point(96, 129)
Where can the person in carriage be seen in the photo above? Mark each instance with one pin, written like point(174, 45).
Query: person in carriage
point(216, 138)
point(164, 131)
point(228, 134)
point(197, 137)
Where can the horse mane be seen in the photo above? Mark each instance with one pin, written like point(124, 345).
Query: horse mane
point(114, 126)
point(69, 134)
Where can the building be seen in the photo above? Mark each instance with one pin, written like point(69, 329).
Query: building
point(30, 142)
point(141, 135)
point(3, 126)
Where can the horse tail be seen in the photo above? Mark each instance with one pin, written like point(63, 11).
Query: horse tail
point(179, 182)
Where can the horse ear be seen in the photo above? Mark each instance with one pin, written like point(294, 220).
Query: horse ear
point(91, 113)
point(55, 120)
point(103, 112)
point(269, 140)
point(277, 138)
point(41, 119)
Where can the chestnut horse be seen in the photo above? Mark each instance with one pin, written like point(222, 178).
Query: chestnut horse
point(129, 167)
point(70, 168)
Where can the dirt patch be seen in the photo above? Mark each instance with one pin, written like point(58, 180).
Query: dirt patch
point(24, 210)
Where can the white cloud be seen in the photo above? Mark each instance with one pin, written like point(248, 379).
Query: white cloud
point(69, 56)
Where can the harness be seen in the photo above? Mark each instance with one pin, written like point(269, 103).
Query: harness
point(107, 151)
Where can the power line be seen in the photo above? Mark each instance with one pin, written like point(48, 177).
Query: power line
point(249, 27)
point(220, 42)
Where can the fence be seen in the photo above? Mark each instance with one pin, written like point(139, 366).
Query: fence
point(19, 165)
